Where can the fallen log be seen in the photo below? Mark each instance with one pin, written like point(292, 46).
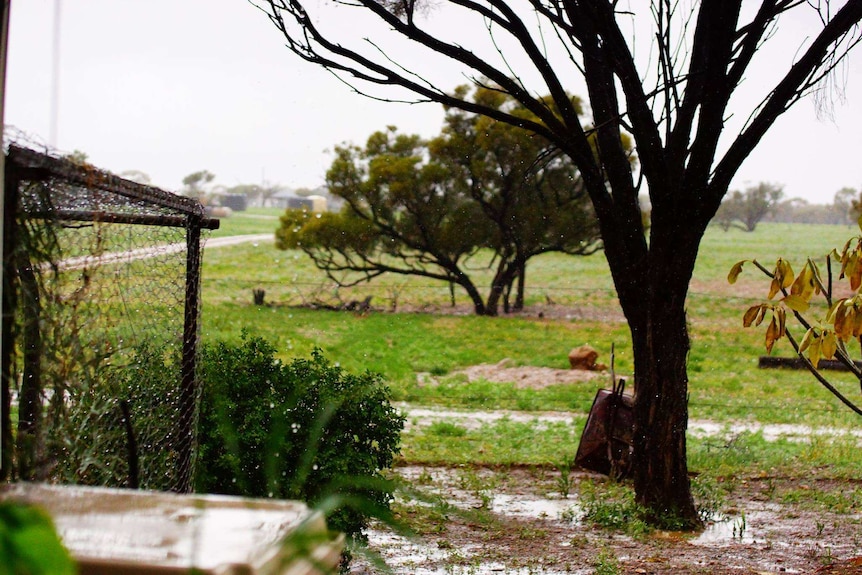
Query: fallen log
point(768, 361)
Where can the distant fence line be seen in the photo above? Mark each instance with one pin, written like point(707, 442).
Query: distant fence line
point(419, 294)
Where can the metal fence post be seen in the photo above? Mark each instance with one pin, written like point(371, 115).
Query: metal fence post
point(189, 385)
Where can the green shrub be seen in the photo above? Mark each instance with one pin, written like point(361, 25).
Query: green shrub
point(88, 443)
point(303, 430)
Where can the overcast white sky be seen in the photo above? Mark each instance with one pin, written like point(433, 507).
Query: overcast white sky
point(170, 87)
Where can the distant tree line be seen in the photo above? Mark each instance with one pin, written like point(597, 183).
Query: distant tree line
point(765, 202)
point(844, 209)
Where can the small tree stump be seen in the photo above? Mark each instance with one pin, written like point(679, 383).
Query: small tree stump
point(584, 357)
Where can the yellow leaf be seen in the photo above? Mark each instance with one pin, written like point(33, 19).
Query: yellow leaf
point(771, 335)
point(786, 273)
point(833, 311)
point(760, 315)
point(829, 345)
point(735, 271)
point(782, 321)
point(774, 287)
point(814, 352)
point(805, 285)
point(857, 323)
point(796, 302)
point(815, 276)
point(845, 260)
point(799, 283)
point(750, 315)
point(856, 277)
point(806, 340)
point(849, 268)
point(859, 221)
point(843, 321)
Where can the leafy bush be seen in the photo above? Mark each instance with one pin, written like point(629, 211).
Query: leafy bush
point(88, 442)
point(303, 430)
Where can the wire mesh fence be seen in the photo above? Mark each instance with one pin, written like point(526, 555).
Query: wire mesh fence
point(100, 310)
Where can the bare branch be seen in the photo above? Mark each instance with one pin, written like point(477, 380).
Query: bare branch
point(818, 60)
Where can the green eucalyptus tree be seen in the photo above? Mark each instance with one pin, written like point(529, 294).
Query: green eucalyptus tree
point(427, 208)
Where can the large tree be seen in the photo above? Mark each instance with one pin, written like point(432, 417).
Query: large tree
point(429, 208)
point(746, 209)
point(674, 97)
point(194, 185)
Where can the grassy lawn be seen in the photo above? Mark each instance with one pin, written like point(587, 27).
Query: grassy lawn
point(579, 306)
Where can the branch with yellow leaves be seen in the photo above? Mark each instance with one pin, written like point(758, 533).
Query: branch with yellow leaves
point(825, 339)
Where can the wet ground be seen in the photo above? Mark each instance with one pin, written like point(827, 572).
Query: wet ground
point(482, 521)
point(516, 521)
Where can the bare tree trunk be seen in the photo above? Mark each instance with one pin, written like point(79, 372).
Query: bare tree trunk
point(500, 286)
point(479, 306)
point(652, 288)
point(506, 295)
point(522, 280)
point(661, 415)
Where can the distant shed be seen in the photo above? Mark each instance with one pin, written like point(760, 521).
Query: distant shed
point(289, 200)
point(318, 203)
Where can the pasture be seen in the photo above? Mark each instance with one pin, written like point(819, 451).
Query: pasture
point(755, 434)
point(570, 302)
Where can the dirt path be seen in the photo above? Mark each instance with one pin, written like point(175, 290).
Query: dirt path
point(153, 251)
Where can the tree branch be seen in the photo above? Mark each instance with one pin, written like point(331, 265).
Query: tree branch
point(790, 89)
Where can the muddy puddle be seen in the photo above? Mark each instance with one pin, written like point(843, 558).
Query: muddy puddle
point(515, 521)
point(472, 420)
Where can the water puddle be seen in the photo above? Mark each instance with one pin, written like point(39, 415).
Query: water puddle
point(404, 556)
point(473, 420)
point(771, 432)
point(727, 531)
point(529, 507)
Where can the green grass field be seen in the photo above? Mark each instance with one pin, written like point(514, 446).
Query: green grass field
point(725, 383)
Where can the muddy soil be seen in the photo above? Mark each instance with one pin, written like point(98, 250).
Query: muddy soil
point(516, 521)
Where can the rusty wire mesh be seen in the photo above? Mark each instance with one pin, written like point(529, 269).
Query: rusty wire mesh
point(101, 300)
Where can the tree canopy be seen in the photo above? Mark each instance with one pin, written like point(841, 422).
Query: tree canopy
point(428, 208)
point(194, 185)
point(746, 209)
point(676, 97)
